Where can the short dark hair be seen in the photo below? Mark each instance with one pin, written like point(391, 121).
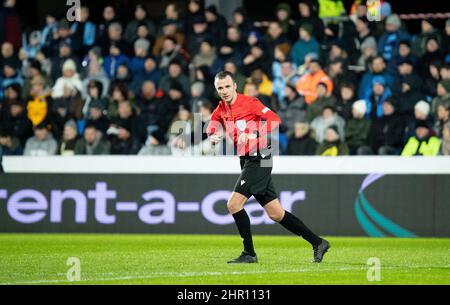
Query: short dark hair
point(224, 74)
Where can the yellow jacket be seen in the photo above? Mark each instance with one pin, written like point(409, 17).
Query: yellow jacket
point(416, 147)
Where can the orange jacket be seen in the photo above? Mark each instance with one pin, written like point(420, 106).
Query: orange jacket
point(307, 85)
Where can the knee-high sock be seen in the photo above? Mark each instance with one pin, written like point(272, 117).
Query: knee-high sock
point(296, 226)
point(243, 225)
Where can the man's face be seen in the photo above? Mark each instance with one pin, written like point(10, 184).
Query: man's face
point(108, 13)
point(64, 51)
point(7, 49)
point(420, 115)
point(378, 65)
point(405, 69)
point(174, 70)
point(226, 88)
point(95, 113)
point(301, 129)
point(149, 65)
point(251, 90)
point(40, 133)
point(442, 113)
point(327, 114)
point(388, 109)
point(331, 135)
point(432, 46)
point(16, 110)
point(140, 13)
point(230, 67)
point(346, 93)
point(200, 27)
point(124, 110)
point(286, 68)
point(421, 132)
point(313, 67)
point(404, 50)
point(148, 89)
point(233, 34)
point(69, 133)
point(168, 45)
point(90, 135)
point(274, 30)
point(304, 10)
point(321, 91)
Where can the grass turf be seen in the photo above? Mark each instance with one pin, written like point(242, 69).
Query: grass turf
point(201, 259)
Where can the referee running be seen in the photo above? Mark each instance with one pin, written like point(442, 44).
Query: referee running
point(248, 123)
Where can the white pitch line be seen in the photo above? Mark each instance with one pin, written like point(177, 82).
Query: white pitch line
point(178, 275)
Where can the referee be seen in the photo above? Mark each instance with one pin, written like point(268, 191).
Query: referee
point(248, 122)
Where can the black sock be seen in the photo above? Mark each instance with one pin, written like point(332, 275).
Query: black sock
point(243, 224)
point(296, 226)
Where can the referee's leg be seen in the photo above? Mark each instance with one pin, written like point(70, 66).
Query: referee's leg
point(236, 207)
point(292, 223)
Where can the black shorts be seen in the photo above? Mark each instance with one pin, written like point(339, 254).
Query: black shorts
point(256, 180)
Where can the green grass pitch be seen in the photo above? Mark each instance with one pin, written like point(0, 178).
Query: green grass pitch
point(201, 259)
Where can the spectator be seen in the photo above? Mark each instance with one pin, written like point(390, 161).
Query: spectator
point(339, 74)
point(181, 133)
point(377, 68)
point(171, 51)
point(169, 29)
point(301, 143)
point(409, 96)
point(424, 143)
point(309, 14)
point(151, 73)
point(150, 103)
point(231, 67)
point(14, 118)
point(445, 140)
point(293, 109)
point(284, 73)
point(428, 29)
point(123, 141)
point(197, 96)
point(83, 33)
point(421, 113)
point(443, 95)
point(69, 79)
point(368, 52)
point(389, 42)
point(431, 82)
point(42, 144)
point(217, 25)
point(344, 103)
point(442, 118)
point(69, 139)
point(307, 84)
point(332, 144)
point(324, 99)
point(305, 44)
point(404, 55)
point(251, 89)
point(63, 36)
point(109, 17)
point(275, 37)
point(203, 146)
point(140, 17)
point(169, 109)
point(92, 143)
point(114, 60)
point(380, 93)
point(65, 53)
point(141, 47)
point(205, 56)
point(357, 128)
point(172, 13)
point(257, 58)
point(8, 56)
point(94, 92)
point(433, 52)
point(283, 16)
point(119, 93)
point(115, 38)
point(128, 119)
point(328, 118)
point(405, 73)
point(241, 20)
point(199, 34)
point(195, 9)
point(175, 74)
point(38, 106)
point(386, 133)
point(9, 145)
point(97, 116)
point(13, 93)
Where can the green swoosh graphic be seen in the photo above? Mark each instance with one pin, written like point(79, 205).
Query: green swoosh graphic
point(365, 222)
point(385, 223)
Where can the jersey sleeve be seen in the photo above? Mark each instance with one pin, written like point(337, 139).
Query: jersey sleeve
point(215, 124)
point(272, 120)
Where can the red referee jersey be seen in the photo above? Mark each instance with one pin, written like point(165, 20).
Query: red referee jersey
point(246, 115)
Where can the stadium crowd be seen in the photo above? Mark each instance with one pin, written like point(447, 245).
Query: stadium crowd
point(343, 85)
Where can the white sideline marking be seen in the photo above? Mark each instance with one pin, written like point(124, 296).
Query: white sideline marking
point(180, 274)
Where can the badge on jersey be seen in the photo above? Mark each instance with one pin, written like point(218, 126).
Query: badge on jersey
point(241, 125)
point(265, 110)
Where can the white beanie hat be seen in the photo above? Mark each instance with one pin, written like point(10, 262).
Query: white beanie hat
point(360, 106)
point(423, 107)
point(69, 65)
